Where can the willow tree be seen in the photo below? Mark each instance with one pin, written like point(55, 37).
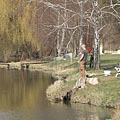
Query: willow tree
point(23, 37)
point(5, 26)
point(16, 27)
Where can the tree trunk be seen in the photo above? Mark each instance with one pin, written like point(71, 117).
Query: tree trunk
point(96, 65)
point(63, 31)
point(81, 28)
point(58, 36)
point(62, 41)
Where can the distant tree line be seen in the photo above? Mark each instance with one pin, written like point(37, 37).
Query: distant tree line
point(67, 24)
point(42, 28)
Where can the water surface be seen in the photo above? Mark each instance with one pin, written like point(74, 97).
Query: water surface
point(22, 97)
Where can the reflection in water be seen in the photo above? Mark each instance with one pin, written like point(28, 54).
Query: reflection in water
point(22, 97)
point(22, 89)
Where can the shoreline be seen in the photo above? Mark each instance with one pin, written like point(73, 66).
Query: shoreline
point(106, 93)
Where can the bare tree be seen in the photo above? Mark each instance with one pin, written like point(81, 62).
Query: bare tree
point(63, 29)
point(93, 17)
point(58, 35)
point(96, 35)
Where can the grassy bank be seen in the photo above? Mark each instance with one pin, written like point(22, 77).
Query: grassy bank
point(106, 93)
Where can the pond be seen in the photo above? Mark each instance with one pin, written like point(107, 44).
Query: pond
point(22, 97)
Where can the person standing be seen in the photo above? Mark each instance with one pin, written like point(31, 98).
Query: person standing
point(83, 60)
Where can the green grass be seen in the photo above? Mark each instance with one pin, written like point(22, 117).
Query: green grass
point(59, 62)
point(105, 60)
point(108, 90)
point(70, 83)
point(109, 59)
point(106, 93)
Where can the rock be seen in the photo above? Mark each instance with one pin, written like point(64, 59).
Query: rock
point(92, 81)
